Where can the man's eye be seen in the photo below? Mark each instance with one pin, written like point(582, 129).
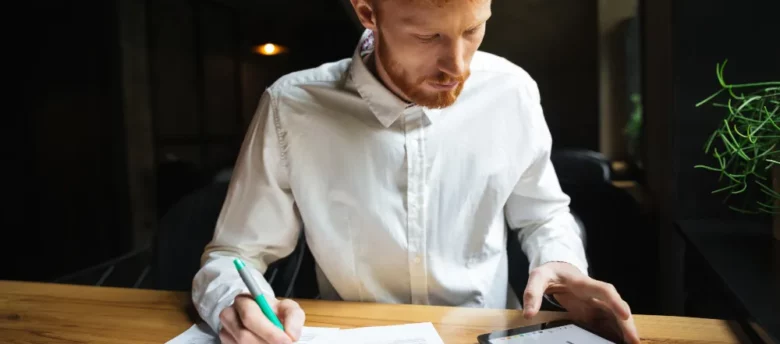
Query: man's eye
point(427, 38)
point(473, 31)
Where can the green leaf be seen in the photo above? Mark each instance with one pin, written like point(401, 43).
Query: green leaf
point(745, 146)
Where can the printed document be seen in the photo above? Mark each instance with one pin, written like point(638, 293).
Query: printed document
point(420, 333)
point(202, 334)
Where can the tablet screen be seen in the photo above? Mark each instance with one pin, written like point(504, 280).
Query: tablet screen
point(567, 334)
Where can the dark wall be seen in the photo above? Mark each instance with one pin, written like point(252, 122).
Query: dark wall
point(68, 203)
point(557, 43)
point(206, 79)
point(69, 179)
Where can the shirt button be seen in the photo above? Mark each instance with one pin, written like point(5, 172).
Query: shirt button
point(417, 260)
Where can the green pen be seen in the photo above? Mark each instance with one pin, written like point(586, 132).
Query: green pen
point(256, 293)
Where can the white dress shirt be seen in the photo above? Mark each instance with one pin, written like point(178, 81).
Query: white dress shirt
point(399, 203)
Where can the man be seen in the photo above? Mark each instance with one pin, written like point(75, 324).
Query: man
point(404, 165)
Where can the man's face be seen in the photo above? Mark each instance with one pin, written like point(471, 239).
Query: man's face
point(425, 46)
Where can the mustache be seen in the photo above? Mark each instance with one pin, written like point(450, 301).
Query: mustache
point(443, 78)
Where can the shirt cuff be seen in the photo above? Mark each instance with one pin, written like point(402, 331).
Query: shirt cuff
point(560, 253)
point(216, 286)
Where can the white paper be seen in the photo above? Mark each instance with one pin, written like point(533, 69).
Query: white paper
point(309, 334)
point(202, 334)
point(420, 333)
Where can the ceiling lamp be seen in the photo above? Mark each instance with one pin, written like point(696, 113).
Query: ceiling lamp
point(270, 49)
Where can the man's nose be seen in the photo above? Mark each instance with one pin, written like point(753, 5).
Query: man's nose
point(453, 60)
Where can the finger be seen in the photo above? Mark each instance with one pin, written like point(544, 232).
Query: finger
point(630, 334)
point(608, 294)
point(626, 328)
point(256, 322)
point(534, 291)
point(293, 318)
point(230, 322)
point(232, 325)
point(225, 337)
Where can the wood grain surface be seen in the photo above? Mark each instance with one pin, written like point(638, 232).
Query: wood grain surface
point(57, 313)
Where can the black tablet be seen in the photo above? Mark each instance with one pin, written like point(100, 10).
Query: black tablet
point(562, 331)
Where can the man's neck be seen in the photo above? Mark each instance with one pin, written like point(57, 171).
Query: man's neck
point(372, 63)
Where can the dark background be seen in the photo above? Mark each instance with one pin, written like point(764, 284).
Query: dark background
point(82, 144)
point(71, 199)
point(129, 105)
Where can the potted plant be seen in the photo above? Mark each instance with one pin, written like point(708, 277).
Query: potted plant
point(633, 129)
point(746, 145)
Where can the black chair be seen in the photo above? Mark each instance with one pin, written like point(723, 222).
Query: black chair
point(581, 166)
point(519, 265)
point(619, 240)
point(184, 231)
point(171, 261)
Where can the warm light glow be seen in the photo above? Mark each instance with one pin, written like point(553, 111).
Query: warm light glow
point(269, 49)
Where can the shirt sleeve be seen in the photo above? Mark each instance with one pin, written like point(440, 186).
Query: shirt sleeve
point(258, 221)
point(538, 208)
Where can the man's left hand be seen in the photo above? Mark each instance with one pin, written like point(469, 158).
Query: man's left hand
point(588, 301)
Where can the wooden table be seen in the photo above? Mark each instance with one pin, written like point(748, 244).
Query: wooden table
point(53, 313)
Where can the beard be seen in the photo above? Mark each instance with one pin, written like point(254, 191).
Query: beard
point(414, 89)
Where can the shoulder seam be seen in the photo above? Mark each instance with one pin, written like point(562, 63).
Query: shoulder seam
point(280, 133)
point(294, 82)
point(287, 81)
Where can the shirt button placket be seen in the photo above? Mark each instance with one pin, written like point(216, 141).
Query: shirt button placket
point(416, 201)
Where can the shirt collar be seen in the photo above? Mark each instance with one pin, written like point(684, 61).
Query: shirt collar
point(385, 105)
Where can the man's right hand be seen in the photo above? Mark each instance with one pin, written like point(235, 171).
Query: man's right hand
point(245, 323)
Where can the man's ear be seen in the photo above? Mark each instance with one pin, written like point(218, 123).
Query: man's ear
point(365, 13)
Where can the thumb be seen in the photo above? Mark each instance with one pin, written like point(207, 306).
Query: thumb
point(534, 291)
point(292, 317)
